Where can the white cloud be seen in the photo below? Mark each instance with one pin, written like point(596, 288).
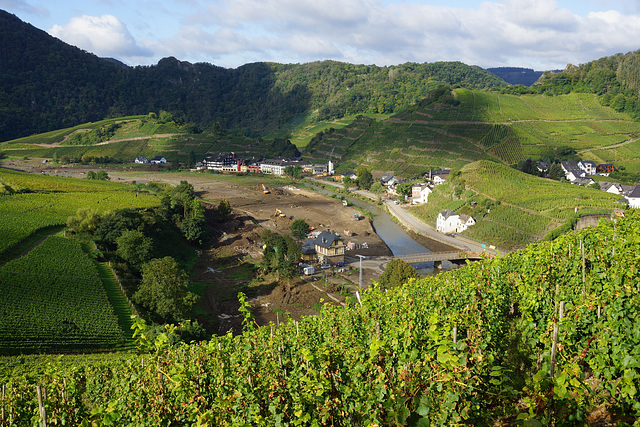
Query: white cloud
point(541, 34)
point(105, 36)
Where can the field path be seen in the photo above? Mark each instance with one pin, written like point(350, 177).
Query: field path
point(622, 144)
point(134, 138)
point(40, 237)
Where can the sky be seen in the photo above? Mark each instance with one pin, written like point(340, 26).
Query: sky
point(538, 34)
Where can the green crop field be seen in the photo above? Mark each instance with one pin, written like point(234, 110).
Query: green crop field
point(53, 299)
point(52, 200)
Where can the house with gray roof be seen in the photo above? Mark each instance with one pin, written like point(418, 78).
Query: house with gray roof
point(329, 248)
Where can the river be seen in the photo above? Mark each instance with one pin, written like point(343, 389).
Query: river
point(391, 233)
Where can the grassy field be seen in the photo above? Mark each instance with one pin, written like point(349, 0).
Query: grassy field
point(513, 209)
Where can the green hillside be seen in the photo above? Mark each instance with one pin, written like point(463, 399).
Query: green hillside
point(513, 209)
point(46, 84)
point(544, 336)
point(121, 140)
point(451, 128)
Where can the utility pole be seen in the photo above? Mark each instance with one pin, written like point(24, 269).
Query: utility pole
point(360, 279)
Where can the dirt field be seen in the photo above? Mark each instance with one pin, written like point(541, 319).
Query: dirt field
point(224, 267)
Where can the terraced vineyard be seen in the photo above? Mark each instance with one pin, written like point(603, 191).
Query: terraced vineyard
point(134, 136)
point(53, 300)
point(529, 208)
point(479, 125)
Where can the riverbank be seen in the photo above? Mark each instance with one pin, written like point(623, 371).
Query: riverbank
point(418, 229)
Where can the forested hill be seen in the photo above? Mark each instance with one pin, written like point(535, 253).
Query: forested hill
point(46, 84)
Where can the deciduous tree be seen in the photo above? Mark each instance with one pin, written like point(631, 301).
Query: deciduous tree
point(134, 248)
point(164, 290)
point(397, 273)
point(299, 229)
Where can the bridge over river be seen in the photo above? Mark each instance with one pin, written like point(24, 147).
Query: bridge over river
point(456, 257)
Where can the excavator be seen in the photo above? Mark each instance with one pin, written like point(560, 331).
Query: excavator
point(280, 213)
point(265, 190)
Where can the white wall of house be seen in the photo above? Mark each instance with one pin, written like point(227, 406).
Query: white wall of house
point(420, 195)
point(634, 202)
point(437, 180)
point(447, 225)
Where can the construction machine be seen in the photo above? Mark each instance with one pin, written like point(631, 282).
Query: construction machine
point(265, 190)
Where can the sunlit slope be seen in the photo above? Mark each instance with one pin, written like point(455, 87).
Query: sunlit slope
point(453, 128)
point(511, 208)
point(31, 202)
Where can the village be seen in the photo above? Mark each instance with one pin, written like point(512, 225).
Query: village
point(447, 221)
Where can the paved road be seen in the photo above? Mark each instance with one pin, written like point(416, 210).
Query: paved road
point(418, 226)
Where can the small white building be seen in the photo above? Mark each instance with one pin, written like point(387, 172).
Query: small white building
point(447, 221)
point(450, 222)
point(158, 159)
point(465, 222)
point(420, 193)
point(634, 197)
point(612, 187)
point(440, 179)
point(141, 160)
point(588, 166)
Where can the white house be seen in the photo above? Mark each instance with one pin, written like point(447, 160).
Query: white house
point(351, 175)
point(437, 177)
point(158, 159)
point(447, 221)
point(588, 166)
point(420, 193)
point(612, 187)
point(141, 160)
point(465, 222)
point(634, 197)
point(450, 222)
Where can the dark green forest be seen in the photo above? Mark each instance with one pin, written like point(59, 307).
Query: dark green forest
point(46, 84)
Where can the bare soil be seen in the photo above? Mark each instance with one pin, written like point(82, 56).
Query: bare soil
point(229, 265)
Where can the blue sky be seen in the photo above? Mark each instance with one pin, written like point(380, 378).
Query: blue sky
point(538, 34)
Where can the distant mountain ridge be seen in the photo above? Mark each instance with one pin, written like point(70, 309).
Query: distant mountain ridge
point(517, 75)
point(46, 84)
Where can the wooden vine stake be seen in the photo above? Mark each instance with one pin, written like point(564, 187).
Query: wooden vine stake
point(43, 411)
point(455, 335)
point(554, 344)
point(584, 276)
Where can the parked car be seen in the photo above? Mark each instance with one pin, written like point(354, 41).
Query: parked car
point(325, 266)
point(339, 264)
